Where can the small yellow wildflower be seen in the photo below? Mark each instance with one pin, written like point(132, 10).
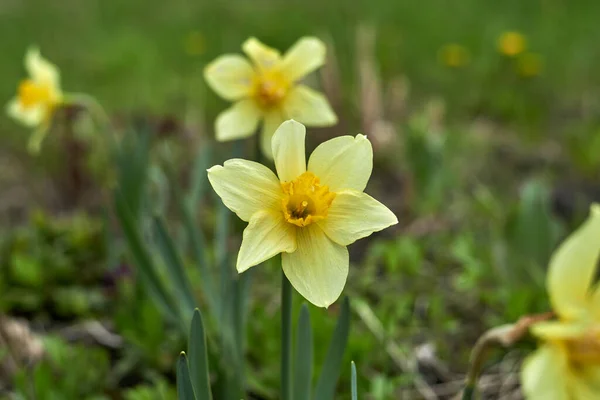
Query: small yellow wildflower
point(529, 65)
point(37, 97)
point(567, 364)
point(267, 90)
point(309, 213)
point(511, 44)
point(454, 55)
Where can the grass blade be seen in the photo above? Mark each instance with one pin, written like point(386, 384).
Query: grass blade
point(330, 373)
point(184, 384)
point(353, 383)
point(198, 352)
point(175, 267)
point(304, 356)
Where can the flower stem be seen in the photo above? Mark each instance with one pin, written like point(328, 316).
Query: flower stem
point(286, 338)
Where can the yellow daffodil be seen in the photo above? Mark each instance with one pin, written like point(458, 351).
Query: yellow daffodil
point(308, 212)
point(511, 44)
point(567, 364)
point(267, 90)
point(37, 97)
point(454, 55)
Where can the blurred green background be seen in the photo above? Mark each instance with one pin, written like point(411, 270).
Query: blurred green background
point(487, 159)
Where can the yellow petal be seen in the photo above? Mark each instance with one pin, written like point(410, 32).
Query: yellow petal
point(572, 268)
point(318, 268)
point(238, 121)
point(230, 76)
point(306, 55)
point(30, 116)
point(556, 330)
point(354, 215)
point(288, 150)
point(40, 69)
point(273, 119)
point(264, 57)
point(585, 383)
point(309, 107)
point(246, 187)
point(344, 162)
point(544, 374)
point(266, 235)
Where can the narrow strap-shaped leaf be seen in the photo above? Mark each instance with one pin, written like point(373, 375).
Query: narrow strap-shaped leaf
point(303, 356)
point(184, 384)
point(198, 361)
point(143, 261)
point(354, 388)
point(286, 338)
point(175, 267)
point(325, 389)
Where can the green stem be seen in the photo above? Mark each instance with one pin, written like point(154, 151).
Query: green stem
point(286, 338)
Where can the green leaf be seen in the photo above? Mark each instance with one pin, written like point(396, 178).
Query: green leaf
point(184, 384)
point(145, 266)
point(175, 267)
point(325, 389)
point(199, 358)
point(353, 383)
point(304, 356)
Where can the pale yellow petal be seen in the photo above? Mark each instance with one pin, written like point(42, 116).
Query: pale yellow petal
point(273, 119)
point(267, 235)
point(238, 121)
point(31, 116)
point(288, 150)
point(309, 107)
point(354, 215)
point(557, 330)
point(318, 269)
point(572, 268)
point(230, 76)
point(544, 374)
point(306, 55)
point(344, 162)
point(263, 56)
point(40, 69)
point(246, 187)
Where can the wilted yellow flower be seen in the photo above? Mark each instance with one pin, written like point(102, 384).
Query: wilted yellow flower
point(567, 364)
point(511, 44)
point(37, 97)
point(529, 65)
point(309, 213)
point(267, 90)
point(454, 55)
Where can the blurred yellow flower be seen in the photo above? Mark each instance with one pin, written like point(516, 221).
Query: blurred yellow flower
point(267, 90)
point(511, 44)
point(194, 43)
point(454, 55)
point(309, 213)
point(37, 97)
point(529, 65)
point(566, 366)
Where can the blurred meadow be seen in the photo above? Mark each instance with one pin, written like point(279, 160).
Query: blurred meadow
point(485, 125)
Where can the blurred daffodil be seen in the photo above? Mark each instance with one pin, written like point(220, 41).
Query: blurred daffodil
point(567, 364)
point(511, 43)
point(37, 97)
point(308, 212)
point(454, 55)
point(529, 65)
point(267, 90)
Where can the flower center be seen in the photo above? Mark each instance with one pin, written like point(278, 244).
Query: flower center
point(586, 349)
point(306, 200)
point(269, 88)
point(32, 93)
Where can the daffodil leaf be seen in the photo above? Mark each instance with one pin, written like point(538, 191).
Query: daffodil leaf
point(175, 267)
point(325, 389)
point(303, 356)
point(198, 363)
point(353, 387)
point(184, 384)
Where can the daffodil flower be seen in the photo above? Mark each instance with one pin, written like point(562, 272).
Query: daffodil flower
point(308, 212)
point(267, 90)
point(567, 364)
point(37, 97)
